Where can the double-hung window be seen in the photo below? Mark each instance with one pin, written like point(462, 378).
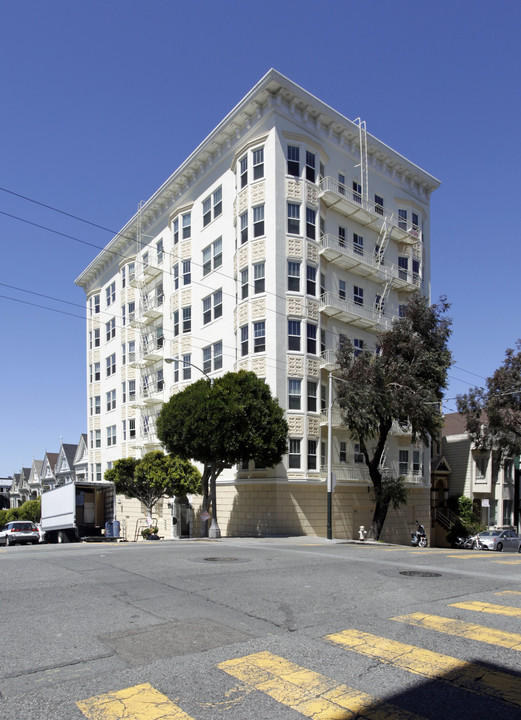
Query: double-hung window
point(187, 226)
point(243, 171)
point(378, 204)
point(187, 272)
point(402, 219)
point(293, 160)
point(358, 295)
point(96, 337)
point(111, 293)
point(311, 280)
point(293, 218)
point(175, 230)
point(131, 390)
point(217, 355)
point(294, 453)
point(207, 359)
point(244, 283)
point(312, 454)
point(293, 276)
point(111, 364)
point(310, 166)
point(160, 251)
point(341, 183)
point(358, 455)
point(244, 340)
point(311, 223)
point(217, 304)
point(294, 392)
point(244, 227)
point(175, 276)
point(358, 345)
point(207, 310)
point(212, 202)
point(259, 278)
point(403, 266)
point(97, 438)
point(212, 256)
point(416, 462)
point(403, 462)
point(111, 328)
point(97, 404)
point(357, 192)
point(258, 221)
point(96, 304)
point(111, 435)
point(187, 367)
point(341, 236)
point(342, 289)
point(312, 396)
point(258, 164)
point(217, 300)
point(111, 400)
point(294, 335)
point(358, 244)
point(342, 455)
point(259, 336)
point(311, 339)
point(187, 319)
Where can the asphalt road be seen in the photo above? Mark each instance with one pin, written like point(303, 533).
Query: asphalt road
point(275, 628)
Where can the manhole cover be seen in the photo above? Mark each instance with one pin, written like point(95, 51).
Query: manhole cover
point(419, 573)
point(221, 559)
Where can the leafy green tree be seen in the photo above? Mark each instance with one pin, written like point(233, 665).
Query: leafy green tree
point(403, 383)
point(493, 414)
point(232, 420)
point(31, 510)
point(3, 517)
point(153, 477)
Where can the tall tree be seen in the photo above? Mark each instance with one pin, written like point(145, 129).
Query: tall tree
point(403, 382)
point(493, 414)
point(153, 477)
point(234, 419)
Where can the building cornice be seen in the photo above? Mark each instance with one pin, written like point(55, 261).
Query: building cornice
point(273, 93)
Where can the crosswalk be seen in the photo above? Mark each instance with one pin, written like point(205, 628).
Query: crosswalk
point(313, 695)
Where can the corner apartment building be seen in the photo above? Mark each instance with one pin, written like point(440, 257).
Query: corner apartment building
point(289, 229)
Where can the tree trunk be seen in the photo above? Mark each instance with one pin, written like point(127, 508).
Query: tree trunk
point(205, 503)
point(379, 515)
point(381, 504)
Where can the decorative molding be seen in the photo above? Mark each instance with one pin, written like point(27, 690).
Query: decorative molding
point(295, 424)
point(295, 365)
point(295, 247)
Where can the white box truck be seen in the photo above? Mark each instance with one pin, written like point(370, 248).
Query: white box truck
point(78, 510)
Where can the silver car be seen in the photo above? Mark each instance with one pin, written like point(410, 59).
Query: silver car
point(500, 540)
point(19, 532)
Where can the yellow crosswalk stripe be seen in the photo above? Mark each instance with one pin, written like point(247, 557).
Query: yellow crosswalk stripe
point(309, 693)
point(490, 608)
point(141, 702)
point(469, 676)
point(463, 629)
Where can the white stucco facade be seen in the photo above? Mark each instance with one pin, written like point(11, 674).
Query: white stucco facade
point(286, 230)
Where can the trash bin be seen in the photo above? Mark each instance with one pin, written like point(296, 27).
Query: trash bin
point(112, 528)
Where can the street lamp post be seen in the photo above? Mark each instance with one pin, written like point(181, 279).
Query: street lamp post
point(214, 531)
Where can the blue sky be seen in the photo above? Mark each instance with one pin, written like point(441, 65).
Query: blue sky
point(102, 100)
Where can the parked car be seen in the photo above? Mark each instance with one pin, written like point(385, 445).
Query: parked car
point(500, 540)
point(19, 532)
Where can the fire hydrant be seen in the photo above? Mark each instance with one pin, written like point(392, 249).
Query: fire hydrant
point(362, 532)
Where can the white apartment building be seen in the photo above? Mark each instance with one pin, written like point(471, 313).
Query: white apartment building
point(288, 229)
